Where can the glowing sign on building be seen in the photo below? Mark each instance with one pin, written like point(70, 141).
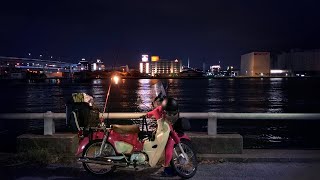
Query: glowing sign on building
point(145, 58)
point(155, 58)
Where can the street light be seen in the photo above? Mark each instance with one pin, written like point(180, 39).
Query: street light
point(115, 79)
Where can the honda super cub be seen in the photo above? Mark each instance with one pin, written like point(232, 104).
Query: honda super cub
point(126, 146)
point(103, 149)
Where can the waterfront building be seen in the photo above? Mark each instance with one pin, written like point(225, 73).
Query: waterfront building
point(18, 75)
point(280, 72)
point(98, 66)
point(204, 67)
point(83, 65)
point(144, 66)
point(255, 64)
point(191, 73)
point(124, 68)
point(215, 69)
point(300, 62)
point(160, 67)
point(165, 67)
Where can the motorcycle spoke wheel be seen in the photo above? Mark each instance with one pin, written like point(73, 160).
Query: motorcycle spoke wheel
point(183, 168)
point(92, 151)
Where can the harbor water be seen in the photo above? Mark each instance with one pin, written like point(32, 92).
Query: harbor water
point(248, 95)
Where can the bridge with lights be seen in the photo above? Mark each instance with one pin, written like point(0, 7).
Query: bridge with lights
point(49, 67)
point(30, 63)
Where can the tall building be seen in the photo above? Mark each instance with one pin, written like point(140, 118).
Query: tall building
point(300, 61)
point(165, 67)
point(161, 67)
point(215, 69)
point(203, 67)
point(144, 64)
point(255, 64)
point(97, 66)
point(83, 65)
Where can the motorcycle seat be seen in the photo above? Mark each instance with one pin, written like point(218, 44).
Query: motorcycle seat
point(125, 129)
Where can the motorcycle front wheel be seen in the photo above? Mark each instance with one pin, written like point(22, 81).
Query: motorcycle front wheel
point(92, 151)
point(183, 168)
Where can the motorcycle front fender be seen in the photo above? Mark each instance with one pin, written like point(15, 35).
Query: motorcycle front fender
point(184, 136)
point(82, 144)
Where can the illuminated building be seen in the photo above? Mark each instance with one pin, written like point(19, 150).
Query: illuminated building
point(124, 68)
point(164, 67)
point(255, 64)
point(97, 66)
point(280, 72)
point(83, 65)
point(159, 67)
point(215, 69)
point(300, 62)
point(144, 65)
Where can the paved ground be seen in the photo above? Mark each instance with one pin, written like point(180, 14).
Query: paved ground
point(254, 171)
point(267, 155)
point(252, 164)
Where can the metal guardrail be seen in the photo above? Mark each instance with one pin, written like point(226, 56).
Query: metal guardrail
point(212, 117)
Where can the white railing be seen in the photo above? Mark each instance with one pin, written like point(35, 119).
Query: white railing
point(212, 117)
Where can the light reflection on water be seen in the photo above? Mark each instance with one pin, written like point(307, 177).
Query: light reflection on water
point(219, 95)
point(144, 93)
point(276, 97)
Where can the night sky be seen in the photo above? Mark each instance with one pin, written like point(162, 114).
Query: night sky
point(120, 31)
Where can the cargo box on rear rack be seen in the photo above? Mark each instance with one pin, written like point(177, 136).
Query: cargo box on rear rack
point(82, 106)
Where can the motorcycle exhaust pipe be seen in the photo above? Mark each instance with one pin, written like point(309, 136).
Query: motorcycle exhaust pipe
point(101, 161)
point(95, 161)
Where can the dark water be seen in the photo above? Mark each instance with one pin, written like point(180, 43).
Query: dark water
point(274, 95)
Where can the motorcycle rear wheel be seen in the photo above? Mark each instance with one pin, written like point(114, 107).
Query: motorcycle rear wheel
point(92, 151)
point(181, 167)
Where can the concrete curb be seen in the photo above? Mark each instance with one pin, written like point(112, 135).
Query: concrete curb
point(262, 155)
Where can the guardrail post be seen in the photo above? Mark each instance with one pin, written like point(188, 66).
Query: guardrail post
point(212, 123)
point(49, 127)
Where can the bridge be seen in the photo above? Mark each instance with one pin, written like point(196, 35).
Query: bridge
point(13, 64)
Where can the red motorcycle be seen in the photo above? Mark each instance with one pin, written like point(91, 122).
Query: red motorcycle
point(105, 148)
point(126, 146)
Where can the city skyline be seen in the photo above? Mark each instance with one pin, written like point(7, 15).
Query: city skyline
point(120, 33)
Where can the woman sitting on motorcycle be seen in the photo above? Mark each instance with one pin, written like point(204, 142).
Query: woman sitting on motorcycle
point(169, 111)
